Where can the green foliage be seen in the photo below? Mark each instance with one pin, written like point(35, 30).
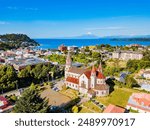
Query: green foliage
point(106, 47)
point(8, 78)
point(135, 65)
point(96, 56)
point(12, 98)
point(57, 58)
point(75, 109)
point(31, 102)
point(131, 82)
point(87, 49)
point(146, 56)
point(82, 58)
point(112, 71)
point(37, 74)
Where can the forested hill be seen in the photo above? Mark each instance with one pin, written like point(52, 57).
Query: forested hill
point(12, 41)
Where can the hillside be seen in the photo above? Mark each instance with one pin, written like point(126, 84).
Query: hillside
point(13, 41)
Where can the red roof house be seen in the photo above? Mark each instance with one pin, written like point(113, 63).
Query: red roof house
point(3, 102)
point(113, 109)
point(140, 102)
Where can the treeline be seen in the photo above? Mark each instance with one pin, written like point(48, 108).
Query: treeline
point(10, 79)
point(106, 46)
point(131, 39)
point(13, 41)
point(136, 65)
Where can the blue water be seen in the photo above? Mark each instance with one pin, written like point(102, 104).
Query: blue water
point(54, 43)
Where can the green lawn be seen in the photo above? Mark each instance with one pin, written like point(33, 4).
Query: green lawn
point(85, 110)
point(118, 97)
point(90, 106)
point(73, 94)
point(116, 63)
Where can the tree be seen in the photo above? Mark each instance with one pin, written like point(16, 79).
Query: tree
point(146, 55)
point(130, 82)
point(31, 102)
point(75, 109)
point(8, 78)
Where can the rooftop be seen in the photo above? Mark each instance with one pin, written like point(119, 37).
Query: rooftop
point(114, 109)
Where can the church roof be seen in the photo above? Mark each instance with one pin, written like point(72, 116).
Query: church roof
point(88, 74)
point(77, 70)
point(99, 68)
point(93, 69)
point(101, 87)
point(100, 75)
point(72, 80)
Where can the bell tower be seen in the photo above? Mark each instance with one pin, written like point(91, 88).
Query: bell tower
point(99, 69)
point(68, 64)
point(93, 77)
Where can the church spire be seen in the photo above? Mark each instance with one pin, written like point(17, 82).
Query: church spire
point(93, 72)
point(99, 69)
point(68, 60)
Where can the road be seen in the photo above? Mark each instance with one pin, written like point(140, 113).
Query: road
point(16, 92)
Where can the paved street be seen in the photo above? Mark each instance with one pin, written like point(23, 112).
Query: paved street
point(16, 92)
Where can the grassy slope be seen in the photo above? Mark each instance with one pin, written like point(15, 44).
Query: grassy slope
point(118, 97)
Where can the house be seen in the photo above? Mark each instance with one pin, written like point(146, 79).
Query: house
point(127, 55)
point(146, 74)
point(139, 102)
point(21, 63)
point(72, 48)
point(114, 109)
point(90, 82)
point(62, 48)
point(3, 102)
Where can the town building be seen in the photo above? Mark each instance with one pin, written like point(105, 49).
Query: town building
point(62, 48)
point(114, 109)
point(72, 48)
point(3, 102)
point(5, 106)
point(146, 74)
point(21, 63)
point(90, 82)
point(127, 55)
point(139, 102)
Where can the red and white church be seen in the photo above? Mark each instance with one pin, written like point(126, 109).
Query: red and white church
point(90, 82)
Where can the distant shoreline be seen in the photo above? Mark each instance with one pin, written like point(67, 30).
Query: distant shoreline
point(54, 43)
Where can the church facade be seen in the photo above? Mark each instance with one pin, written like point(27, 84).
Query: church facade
point(90, 82)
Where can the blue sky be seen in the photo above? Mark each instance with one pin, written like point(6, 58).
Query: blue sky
point(65, 18)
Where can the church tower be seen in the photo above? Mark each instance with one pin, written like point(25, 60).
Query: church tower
point(93, 77)
point(68, 64)
point(99, 69)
